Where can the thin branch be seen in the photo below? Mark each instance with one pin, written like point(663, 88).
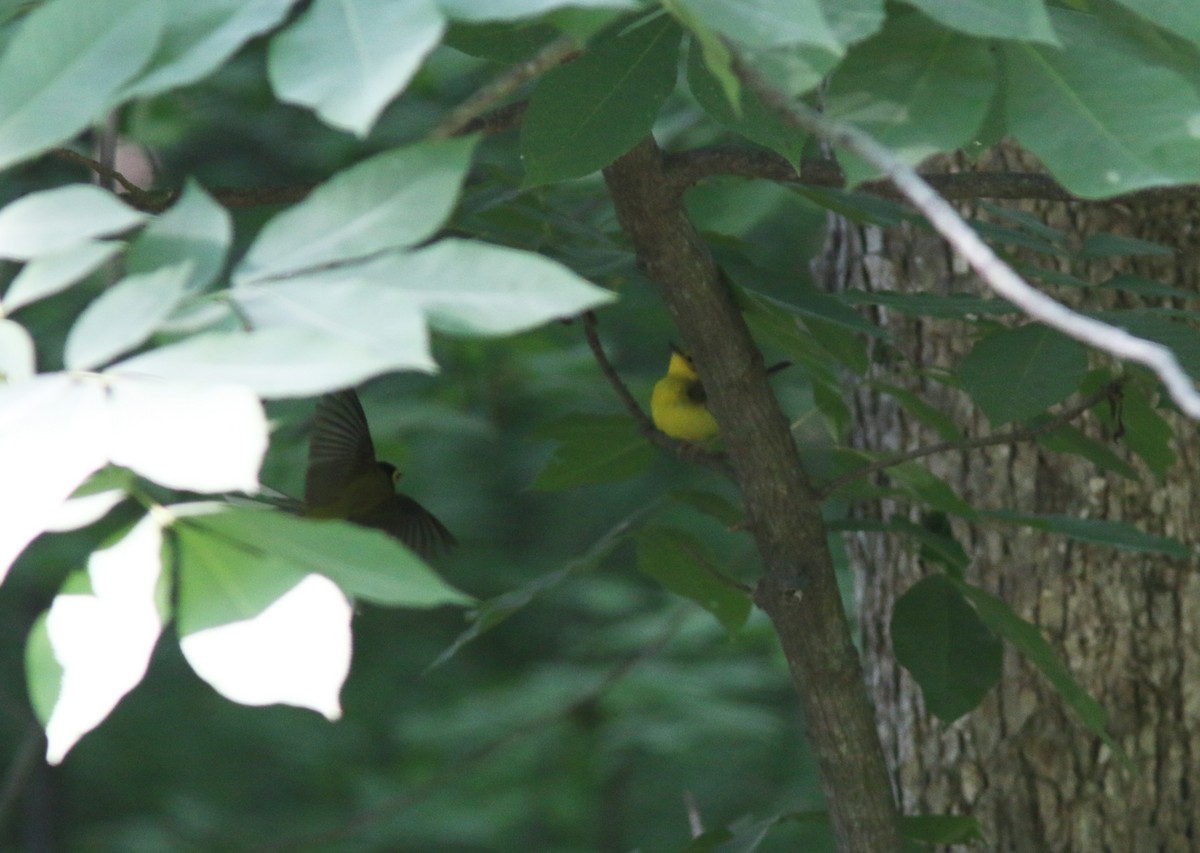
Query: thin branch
point(1012, 436)
point(460, 119)
point(143, 199)
point(398, 805)
point(683, 449)
point(962, 237)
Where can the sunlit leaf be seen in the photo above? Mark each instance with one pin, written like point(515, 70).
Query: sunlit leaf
point(125, 315)
point(369, 51)
point(65, 66)
point(101, 630)
point(284, 362)
point(17, 360)
point(391, 200)
point(196, 229)
point(259, 630)
point(50, 274)
point(49, 426)
point(203, 438)
point(51, 221)
point(199, 37)
point(504, 10)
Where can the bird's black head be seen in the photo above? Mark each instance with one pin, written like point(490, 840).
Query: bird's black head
point(390, 469)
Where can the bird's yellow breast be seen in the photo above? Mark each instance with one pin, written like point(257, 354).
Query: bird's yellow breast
point(677, 403)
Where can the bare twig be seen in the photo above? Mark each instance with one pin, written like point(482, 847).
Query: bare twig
point(683, 449)
point(1010, 437)
point(460, 118)
point(140, 197)
point(995, 273)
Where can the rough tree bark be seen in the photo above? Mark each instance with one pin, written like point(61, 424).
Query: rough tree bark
point(1126, 624)
point(798, 591)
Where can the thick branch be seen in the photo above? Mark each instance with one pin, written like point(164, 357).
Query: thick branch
point(799, 591)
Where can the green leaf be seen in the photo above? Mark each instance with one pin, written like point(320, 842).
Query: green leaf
point(65, 66)
point(50, 221)
point(195, 229)
point(504, 10)
point(942, 424)
point(1028, 640)
point(712, 505)
point(369, 51)
point(951, 306)
point(389, 201)
point(1104, 112)
point(125, 315)
point(592, 449)
point(585, 114)
point(916, 87)
point(853, 20)
point(365, 563)
point(17, 360)
point(1147, 433)
point(679, 563)
point(709, 59)
point(49, 448)
point(939, 638)
point(55, 272)
point(1097, 531)
point(766, 23)
point(1146, 287)
point(752, 119)
point(1068, 439)
point(1023, 20)
point(941, 828)
point(1178, 16)
point(200, 37)
point(281, 362)
point(930, 488)
point(101, 629)
point(1101, 245)
point(1013, 374)
point(258, 629)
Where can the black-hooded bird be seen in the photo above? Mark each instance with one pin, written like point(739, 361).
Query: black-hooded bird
point(345, 480)
point(678, 404)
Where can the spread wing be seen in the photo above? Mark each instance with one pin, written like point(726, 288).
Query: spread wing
point(340, 449)
point(411, 523)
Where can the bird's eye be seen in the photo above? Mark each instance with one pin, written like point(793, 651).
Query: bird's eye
point(396, 475)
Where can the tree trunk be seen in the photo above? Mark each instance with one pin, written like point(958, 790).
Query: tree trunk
point(1126, 624)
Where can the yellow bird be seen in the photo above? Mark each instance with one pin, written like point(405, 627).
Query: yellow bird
point(678, 403)
point(345, 480)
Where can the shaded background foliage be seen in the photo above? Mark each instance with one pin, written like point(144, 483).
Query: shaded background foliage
point(585, 722)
